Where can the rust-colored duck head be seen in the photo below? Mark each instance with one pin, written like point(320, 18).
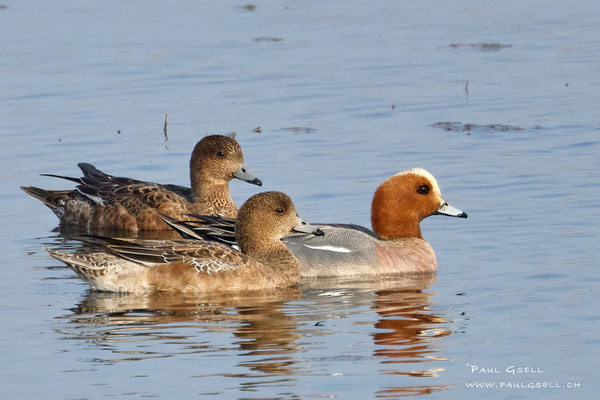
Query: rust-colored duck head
point(404, 200)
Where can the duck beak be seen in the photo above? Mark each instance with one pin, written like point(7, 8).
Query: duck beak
point(245, 176)
point(304, 227)
point(447, 209)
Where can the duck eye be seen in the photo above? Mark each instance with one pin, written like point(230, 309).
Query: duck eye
point(423, 189)
point(220, 154)
point(279, 211)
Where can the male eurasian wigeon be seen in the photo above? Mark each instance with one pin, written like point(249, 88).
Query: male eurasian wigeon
point(106, 201)
point(395, 245)
point(136, 265)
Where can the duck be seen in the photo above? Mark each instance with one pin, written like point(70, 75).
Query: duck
point(143, 265)
point(105, 201)
point(395, 244)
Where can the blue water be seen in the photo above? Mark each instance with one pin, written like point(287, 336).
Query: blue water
point(345, 95)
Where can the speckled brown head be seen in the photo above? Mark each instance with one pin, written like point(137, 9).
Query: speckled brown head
point(404, 200)
point(263, 220)
point(216, 160)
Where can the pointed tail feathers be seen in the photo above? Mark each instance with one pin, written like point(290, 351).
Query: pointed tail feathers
point(102, 271)
point(54, 199)
point(76, 180)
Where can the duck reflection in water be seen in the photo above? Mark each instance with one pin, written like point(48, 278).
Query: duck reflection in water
point(277, 335)
point(116, 322)
point(405, 330)
point(405, 335)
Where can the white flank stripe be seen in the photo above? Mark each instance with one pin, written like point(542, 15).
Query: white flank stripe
point(332, 294)
point(330, 248)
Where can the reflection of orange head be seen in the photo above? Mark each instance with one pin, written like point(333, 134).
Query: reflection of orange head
point(405, 333)
point(404, 319)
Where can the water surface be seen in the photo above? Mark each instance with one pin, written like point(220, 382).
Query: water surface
point(345, 94)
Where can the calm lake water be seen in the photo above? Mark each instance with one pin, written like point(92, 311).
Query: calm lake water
point(499, 100)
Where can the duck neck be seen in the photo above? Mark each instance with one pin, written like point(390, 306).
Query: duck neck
point(211, 194)
point(278, 258)
point(214, 195)
point(285, 264)
point(262, 249)
point(388, 230)
point(392, 232)
point(394, 222)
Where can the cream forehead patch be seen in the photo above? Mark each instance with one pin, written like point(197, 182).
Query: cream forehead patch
point(425, 174)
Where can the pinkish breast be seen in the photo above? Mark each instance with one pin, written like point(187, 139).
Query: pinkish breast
point(406, 255)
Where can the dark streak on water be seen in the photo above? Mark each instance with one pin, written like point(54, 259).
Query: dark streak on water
point(469, 127)
point(485, 47)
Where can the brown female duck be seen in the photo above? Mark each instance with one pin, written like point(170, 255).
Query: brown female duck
point(135, 265)
point(105, 201)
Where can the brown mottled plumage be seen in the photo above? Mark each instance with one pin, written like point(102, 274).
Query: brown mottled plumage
point(136, 265)
point(106, 201)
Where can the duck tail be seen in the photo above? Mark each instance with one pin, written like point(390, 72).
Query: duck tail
point(68, 178)
point(81, 263)
point(101, 271)
point(87, 266)
point(54, 199)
